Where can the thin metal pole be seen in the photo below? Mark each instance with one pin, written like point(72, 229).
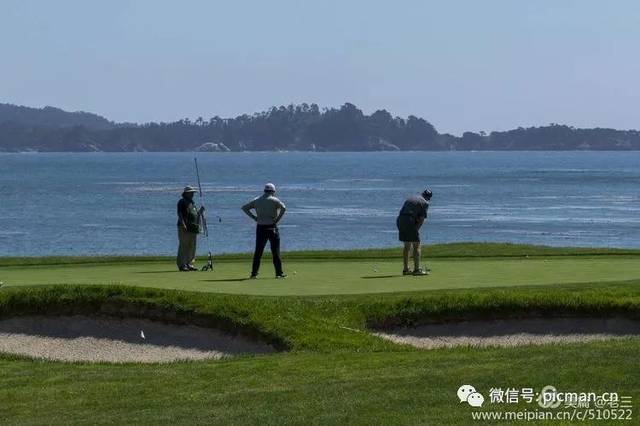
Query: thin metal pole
point(204, 220)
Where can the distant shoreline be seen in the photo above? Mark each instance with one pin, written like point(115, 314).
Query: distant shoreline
point(303, 127)
point(318, 152)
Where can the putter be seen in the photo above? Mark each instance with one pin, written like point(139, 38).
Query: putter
point(203, 219)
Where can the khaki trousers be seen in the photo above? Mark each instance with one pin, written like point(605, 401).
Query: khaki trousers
point(186, 247)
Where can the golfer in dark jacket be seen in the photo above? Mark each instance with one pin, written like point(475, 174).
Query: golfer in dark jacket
point(268, 213)
point(411, 217)
point(188, 230)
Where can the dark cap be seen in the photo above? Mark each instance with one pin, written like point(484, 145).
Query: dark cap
point(427, 193)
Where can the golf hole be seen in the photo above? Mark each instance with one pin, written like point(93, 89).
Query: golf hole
point(513, 332)
point(107, 339)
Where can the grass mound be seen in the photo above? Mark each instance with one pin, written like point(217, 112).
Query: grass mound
point(125, 302)
point(582, 300)
point(323, 323)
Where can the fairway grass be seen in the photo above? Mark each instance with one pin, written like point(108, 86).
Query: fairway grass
point(337, 388)
point(332, 370)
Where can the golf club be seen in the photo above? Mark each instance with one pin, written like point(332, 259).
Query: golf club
point(209, 265)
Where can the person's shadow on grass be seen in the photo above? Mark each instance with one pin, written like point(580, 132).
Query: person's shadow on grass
point(374, 277)
point(227, 280)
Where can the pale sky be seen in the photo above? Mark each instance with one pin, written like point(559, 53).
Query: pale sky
point(463, 65)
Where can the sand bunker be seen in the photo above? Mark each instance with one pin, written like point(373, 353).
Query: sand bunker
point(79, 338)
point(514, 332)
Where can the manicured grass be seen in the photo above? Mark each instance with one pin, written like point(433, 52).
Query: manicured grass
point(332, 371)
point(325, 273)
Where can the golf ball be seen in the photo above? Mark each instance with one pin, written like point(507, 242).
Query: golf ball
point(294, 272)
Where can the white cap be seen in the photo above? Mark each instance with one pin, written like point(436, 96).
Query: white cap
point(269, 187)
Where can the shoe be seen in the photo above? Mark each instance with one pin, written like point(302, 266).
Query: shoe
point(407, 272)
point(184, 269)
point(192, 268)
point(419, 272)
point(281, 276)
point(253, 277)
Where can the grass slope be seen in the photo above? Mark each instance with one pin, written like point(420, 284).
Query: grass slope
point(323, 323)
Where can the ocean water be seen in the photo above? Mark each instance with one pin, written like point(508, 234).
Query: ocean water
point(99, 203)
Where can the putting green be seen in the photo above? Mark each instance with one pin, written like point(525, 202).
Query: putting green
point(336, 277)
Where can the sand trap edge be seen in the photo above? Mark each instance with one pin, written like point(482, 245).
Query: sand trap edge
point(119, 340)
point(513, 332)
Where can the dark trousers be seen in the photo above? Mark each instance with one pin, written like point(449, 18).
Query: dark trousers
point(266, 233)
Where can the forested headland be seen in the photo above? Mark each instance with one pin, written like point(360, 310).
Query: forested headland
point(304, 127)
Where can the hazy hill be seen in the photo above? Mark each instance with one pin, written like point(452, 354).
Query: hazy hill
point(51, 117)
point(302, 127)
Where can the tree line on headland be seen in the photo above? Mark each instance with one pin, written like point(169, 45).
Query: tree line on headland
point(303, 127)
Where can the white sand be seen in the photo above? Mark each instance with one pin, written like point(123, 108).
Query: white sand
point(79, 338)
point(514, 332)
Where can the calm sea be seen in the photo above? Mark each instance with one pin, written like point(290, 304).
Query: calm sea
point(83, 204)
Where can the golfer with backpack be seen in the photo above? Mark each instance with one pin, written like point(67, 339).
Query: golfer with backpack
point(188, 230)
point(409, 221)
point(268, 213)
